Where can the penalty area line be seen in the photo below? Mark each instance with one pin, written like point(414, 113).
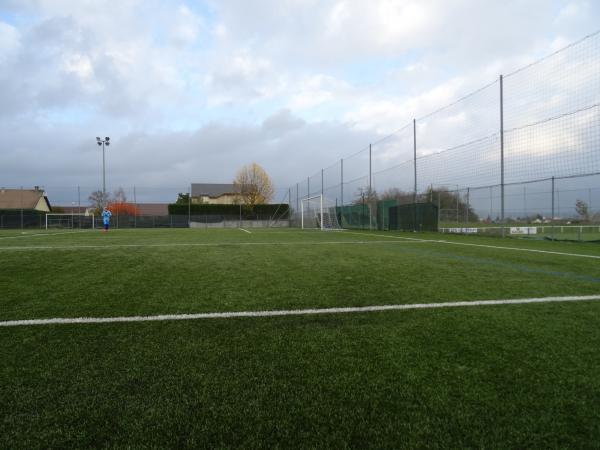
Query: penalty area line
point(246, 231)
point(293, 312)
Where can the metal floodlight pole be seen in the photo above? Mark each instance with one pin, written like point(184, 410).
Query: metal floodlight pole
point(103, 172)
point(103, 142)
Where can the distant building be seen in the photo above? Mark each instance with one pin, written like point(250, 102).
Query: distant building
point(221, 194)
point(27, 199)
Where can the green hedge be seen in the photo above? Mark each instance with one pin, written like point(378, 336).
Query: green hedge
point(17, 212)
point(280, 209)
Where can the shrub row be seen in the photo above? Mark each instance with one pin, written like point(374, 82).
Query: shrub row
point(17, 212)
point(281, 210)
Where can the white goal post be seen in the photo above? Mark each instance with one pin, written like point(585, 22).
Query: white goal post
point(68, 220)
point(314, 214)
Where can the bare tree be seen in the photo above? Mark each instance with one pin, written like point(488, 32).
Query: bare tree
point(98, 200)
point(119, 196)
point(253, 185)
point(582, 209)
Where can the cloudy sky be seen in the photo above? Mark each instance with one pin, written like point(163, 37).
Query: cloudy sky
point(189, 91)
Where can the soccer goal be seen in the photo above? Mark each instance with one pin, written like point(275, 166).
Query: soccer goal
point(69, 221)
point(315, 214)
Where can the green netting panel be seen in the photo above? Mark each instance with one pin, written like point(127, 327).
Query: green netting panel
point(413, 217)
point(354, 216)
point(383, 213)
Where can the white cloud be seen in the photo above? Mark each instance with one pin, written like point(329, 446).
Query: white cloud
point(293, 84)
point(9, 41)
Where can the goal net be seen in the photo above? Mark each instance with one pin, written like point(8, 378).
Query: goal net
point(317, 214)
point(69, 221)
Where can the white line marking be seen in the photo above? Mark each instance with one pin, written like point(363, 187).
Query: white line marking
point(441, 241)
point(44, 234)
point(246, 231)
point(205, 244)
point(293, 312)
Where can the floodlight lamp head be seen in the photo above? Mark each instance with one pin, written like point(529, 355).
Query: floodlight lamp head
point(100, 143)
point(107, 143)
point(98, 139)
point(107, 139)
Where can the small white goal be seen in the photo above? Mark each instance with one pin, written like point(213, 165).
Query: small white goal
point(69, 221)
point(316, 215)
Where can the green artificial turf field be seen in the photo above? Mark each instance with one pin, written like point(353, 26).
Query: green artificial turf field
point(518, 376)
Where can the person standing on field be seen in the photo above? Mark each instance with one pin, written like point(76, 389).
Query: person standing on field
point(106, 215)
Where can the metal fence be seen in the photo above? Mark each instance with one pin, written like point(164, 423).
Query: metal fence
point(523, 148)
point(133, 207)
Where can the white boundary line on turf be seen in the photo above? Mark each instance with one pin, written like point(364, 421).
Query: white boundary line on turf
point(441, 241)
point(44, 234)
point(204, 244)
point(246, 231)
point(293, 312)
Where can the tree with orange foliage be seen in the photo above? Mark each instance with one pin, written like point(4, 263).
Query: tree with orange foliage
point(123, 209)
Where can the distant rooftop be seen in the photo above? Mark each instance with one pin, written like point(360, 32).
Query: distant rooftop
point(212, 189)
point(21, 198)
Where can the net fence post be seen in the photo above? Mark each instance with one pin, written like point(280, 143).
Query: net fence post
point(190, 207)
point(457, 195)
point(297, 199)
point(79, 203)
point(439, 207)
point(21, 201)
point(135, 212)
point(468, 205)
point(321, 219)
point(370, 187)
point(415, 172)
point(552, 212)
point(341, 190)
point(322, 193)
point(502, 153)
point(525, 204)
